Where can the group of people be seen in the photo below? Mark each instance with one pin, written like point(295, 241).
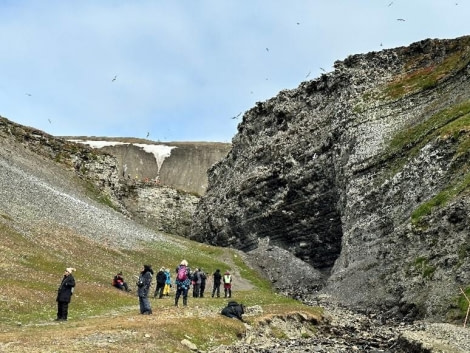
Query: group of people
point(183, 281)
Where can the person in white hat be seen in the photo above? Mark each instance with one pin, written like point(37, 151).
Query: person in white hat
point(64, 294)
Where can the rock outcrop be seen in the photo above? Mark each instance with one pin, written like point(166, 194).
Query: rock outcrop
point(179, 165)
point(362, 174)
point(158, 206)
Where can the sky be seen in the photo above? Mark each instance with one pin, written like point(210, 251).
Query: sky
point(187, 70)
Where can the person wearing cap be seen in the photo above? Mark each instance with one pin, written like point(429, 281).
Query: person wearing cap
point(64, 294)
point(119, 283)
point(143, 288)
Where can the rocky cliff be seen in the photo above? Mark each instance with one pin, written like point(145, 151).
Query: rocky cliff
point(363, 174)
point(106, 172)
point(179, 165)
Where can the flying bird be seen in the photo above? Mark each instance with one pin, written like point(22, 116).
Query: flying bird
point(321, 68)
point(114, 78)
point(390, 4)
point(401, 19)
point(50, 122)
point(267, 49)
point(28, 94)
point(148, 134)
point(308, 74)
point(298, 23)
point(237, 115)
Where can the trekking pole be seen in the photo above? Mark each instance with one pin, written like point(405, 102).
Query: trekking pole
point(468, 308)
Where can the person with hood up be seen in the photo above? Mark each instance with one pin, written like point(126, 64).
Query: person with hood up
point(143, 288)
point(64, 294)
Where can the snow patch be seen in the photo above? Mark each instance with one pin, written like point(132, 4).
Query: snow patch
point(160, 152)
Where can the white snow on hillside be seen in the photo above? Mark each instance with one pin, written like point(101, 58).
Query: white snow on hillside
point(160, 152)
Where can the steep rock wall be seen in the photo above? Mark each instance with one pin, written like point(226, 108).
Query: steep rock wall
point(180, 165)
point(362, 173)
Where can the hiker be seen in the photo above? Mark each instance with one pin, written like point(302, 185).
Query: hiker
point(234, 310)
point(227, 279)
point(143, 288)
point(119, 283)
point(64, 294)
point(202, 287)
point(217, 279)
point(161, 279)
point(196, 279)
point(183, 282)
point(167, 288)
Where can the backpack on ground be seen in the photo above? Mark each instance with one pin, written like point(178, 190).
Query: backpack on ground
point(182, 274)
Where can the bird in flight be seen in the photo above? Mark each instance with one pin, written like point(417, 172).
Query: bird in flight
point(148, 134)
point(50, 122)
point(267, 49)
point(28, 94)
point(401, 19)
point(114, 78)
point(390, 4)
point(321, 68)
point(237, 115)
point(308, 74)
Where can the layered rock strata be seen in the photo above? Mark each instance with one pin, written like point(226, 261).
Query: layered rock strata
point(362, 174)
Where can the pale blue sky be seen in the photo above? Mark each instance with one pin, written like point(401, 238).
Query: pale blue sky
point(185, 67)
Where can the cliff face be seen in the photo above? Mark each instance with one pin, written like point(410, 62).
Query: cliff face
point(179, 165)
point(363, 175)
point(107, 173)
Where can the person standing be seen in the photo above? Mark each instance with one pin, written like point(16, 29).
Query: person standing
point(183, 282)
point(202, 288)
point(161, 279)
point(64, 294)
point(143, 289)
point(217, 281)
point(166, 289)
point(227, 279)
point(196, 283)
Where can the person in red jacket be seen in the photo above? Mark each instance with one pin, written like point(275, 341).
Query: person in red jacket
point(119, 283)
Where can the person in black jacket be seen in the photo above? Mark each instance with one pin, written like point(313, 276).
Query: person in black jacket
point(202, 288)
point(217, 281)
point(234, 310)
point(64, 294)
point(161, 279)
point(143, 287)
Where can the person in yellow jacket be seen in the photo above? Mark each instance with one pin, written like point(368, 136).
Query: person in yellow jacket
point(227, 280)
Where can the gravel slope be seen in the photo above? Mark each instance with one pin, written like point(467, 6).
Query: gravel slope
point(37, 193)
